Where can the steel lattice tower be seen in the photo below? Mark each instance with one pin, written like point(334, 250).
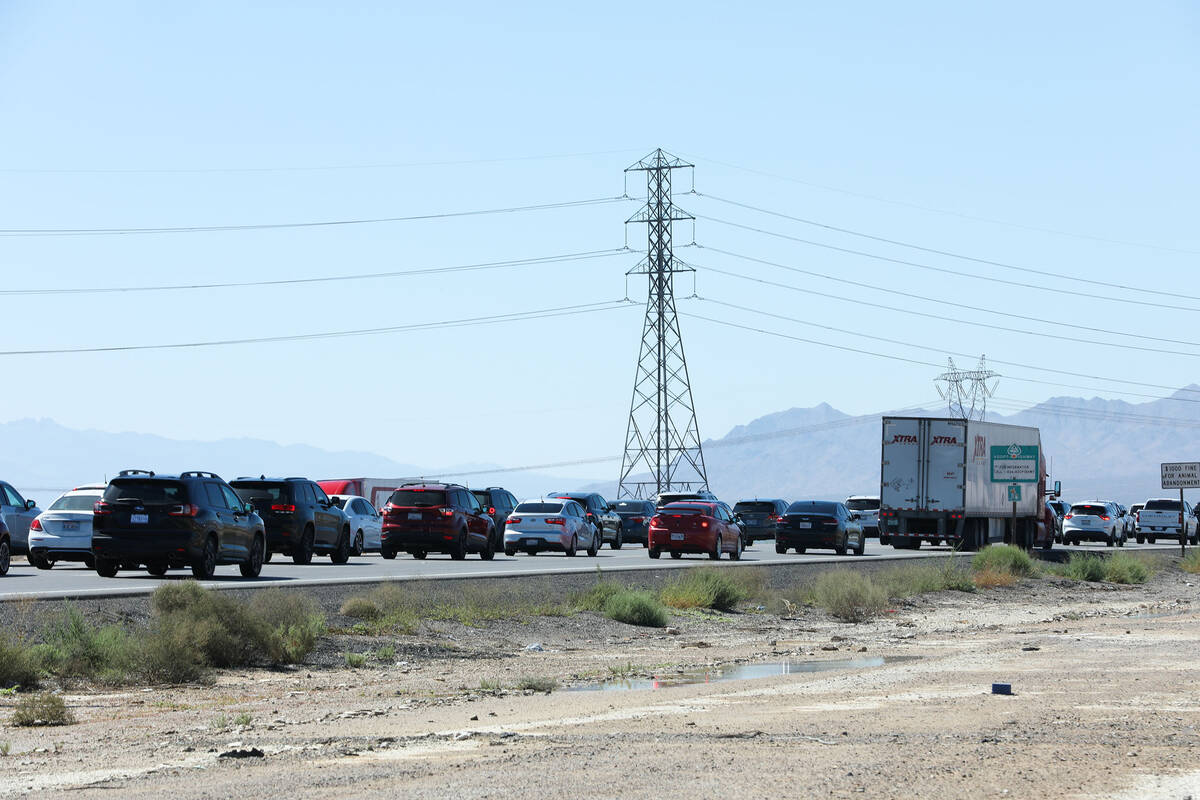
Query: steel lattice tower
point(964, 403)
point(663, 437)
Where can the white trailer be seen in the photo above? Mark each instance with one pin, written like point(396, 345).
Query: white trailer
point(962, 482)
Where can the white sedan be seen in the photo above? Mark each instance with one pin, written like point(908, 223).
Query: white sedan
point(63, 532)
point(365, 522)
point(554, 524)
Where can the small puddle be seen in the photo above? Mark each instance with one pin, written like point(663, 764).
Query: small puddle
point(737, 672)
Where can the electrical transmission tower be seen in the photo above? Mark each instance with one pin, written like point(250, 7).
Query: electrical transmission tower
point(967, 391)
point(663, 437)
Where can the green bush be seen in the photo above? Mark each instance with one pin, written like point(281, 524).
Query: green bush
point(1082, 567)
point(1004, 558)
point(636, 608)
point(705, 587)
point(41, 709)
point(848, 595)
point(75, 648)
point(1191, 561)
point(546, 685)
point(355, 660)
point(361, 608)
point(1124, 568)
point(18, 664)
point(596, 597)
point(907, 580)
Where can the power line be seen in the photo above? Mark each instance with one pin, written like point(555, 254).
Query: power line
point(518, 316)
point(520, 262)
point(989, 262)
point(27, 232)
point(938, 301)
point(1019, 407)
point(960, 215)
point(929, 267)
point(943, 318)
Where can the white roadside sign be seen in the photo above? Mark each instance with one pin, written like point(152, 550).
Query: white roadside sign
point(1181, 475)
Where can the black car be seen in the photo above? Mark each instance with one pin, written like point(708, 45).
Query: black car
point(301, 519)
point(499, 504)
point(760, 517)
point(193, 519)
point(431, 517)
point(635, 519)
point(819, 523)
point(599, 513)
point(5, 548)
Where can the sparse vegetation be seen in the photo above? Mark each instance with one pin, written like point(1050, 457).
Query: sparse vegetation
point(1081, 567)
point(489, 687)
point(361, 608)
point(385, 654)
point(1004, 558)
point(989, 578)
point(848, 595)
point(5, 747)
point(41, 709)
point(18, 665)
point(1191, 561)
point(355, 660)
point(940, 575)
point(545, 685)
point(636, 608)
point(243, 719)
point(221, 722)
point(1125, 568)
point(704, 587)
point(597, 595)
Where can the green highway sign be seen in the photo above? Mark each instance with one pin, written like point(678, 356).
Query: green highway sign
point(1014, 463)
point(1014, 493)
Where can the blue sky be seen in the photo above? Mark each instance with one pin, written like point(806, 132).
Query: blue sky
point(1071, 117)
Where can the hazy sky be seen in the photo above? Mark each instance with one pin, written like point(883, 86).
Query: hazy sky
point(1077, 118)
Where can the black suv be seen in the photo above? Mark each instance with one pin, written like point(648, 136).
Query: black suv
point(422, 518)
point(599, 513)
point(5, 548)
point(760, 517)
point(499, 504)
point(192, 519)
point(300, 518)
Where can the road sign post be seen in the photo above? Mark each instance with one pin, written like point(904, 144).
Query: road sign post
point(1181, 475)
point(1016, 464)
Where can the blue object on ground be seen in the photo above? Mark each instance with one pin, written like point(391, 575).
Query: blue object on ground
point(1001, 688)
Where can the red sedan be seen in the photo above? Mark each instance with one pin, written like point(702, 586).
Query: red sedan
point(694, 527)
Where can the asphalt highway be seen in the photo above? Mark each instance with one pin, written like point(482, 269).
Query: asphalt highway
point(74, 580)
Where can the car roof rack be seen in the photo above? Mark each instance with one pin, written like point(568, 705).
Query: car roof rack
point(199, 473)
point(123, 473)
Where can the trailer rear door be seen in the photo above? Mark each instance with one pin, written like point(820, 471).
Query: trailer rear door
point(900, 479)
point(944, 443)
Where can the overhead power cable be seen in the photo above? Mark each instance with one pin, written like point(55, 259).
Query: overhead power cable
point(25, 232)
point(491, 319)
point(1040, 272)
point(1019, 407)
point(942, 317)
point(948, 212)
point(939, 301)
point(486, 265)
point(930, 267)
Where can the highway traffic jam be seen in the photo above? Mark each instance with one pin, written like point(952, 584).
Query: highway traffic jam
point(951, 482)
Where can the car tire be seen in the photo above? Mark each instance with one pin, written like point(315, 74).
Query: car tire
point(801, 550)
point(107, 568)
point(715, 553)
point(1151, 539)
point(510, 553)
point(531, 552)
point(618, 540)
point(862, 545)
point(267, 556)
point(1141, 539)
point(40, 562)
point(205, 565)
point(1110, 540)
point(341, 553)
point(358, 544)
point(387, 553)
point(5, 556)
point(676, 554)
point(489, 550)
point(157, 568)
point(840, 548)
point(594, 547)
point(252, 567)
point(781, 549)
point(653, 552)
point(574, 546)
point(304, 550)
point(736, 555)
point(459, 552)
point(419, 555)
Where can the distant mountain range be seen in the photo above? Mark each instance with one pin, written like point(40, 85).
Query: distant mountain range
point(1105, 449)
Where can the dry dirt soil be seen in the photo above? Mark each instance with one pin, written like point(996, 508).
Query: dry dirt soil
point(1104, 704)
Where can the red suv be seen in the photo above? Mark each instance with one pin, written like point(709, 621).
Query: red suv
point(422, 518)
point(695, 527)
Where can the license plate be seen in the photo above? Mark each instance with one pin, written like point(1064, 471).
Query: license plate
point(803, 524)
point(532, 542)
point(414, 515)
point(70, 526)
point(751, 522)
point(677, 537)
point(139, 519)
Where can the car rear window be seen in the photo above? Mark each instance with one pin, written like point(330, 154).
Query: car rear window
point(869, 504)
point(683, 508)
point(1162, 505)
point(263, 492)
point(484, 498)
point(755, 508)
point(418, 498)
point(147, 491)
point(538, 508)
point(630, 506)
point(812, 507)
point(75, 502)
point(1089, 510)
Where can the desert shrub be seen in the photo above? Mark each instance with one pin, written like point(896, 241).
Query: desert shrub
point(636, 608)
point(705, 587)
point(1124, 568)
point(355, 660)
point(546, 685)
point(848, 595)
point(73, 647)
point(18, 664)
point(596, 596)
point(989, 578)
point(361, 608)
point(1004, 558)
point(41, 709)
point(907, 580)
point(294, 621)
point(1191, 561)
point(1082, 567)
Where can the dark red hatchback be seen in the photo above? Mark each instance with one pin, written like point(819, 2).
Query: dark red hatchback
point(694, 527)
point(422, 518)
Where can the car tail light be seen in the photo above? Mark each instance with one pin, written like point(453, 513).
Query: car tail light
point(555, 521)
point(1104, 517)
point(184, 510)
point(102, 508)
point(36, 525)
point(656, 521)
point(446, 512)
point(513, 520)
point(703, 523)
point(637, 520)
point(491, 509)
point(284, 508)
point(1068, 516)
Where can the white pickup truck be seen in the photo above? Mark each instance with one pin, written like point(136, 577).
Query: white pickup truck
point(1159, 519)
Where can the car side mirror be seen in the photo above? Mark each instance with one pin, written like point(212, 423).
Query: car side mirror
point(30, 505)
point(856, 516)
point(248, 507)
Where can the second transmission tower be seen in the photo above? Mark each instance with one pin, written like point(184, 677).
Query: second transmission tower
point(663, 437)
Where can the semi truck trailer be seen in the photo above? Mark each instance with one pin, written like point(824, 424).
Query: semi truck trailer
point(962, 482)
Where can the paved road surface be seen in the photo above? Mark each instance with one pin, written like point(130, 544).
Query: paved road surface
point(69, 580)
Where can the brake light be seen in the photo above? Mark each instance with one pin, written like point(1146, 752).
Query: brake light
point(446, 512)
point(656, 521)
point(184, 510)
point(1068, 516)
point(703, 523)
point(1104, 517)
point(513, 520)
point(284, 508)
point(102, 508)
point(637, 520)
point(555, 521)
point(491, 509)
point(36, 525)
point(775, 518)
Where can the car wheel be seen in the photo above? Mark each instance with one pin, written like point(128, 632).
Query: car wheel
point(358, 544)
point(304, 551)
point(267, 556)
point(801, 550)
point(387, 553)
point(5, 556)
point(654, 552)
point(862, 545)
point(676, 554)
point(419, 555)
point(205, 565)
point(1141, 540)
point(341, 553)
point(253, 565)
point(1151, 539)
point(107, 568)
point(157, 568)
point(736, 555)
point(460, 547)
point(510, 553)
point(1110, 540)
point(489, 550)
point(618, 540)
point(531, 552)
point(594, 547)
point(574, 546)
point(39, 561)
point(840, 547)
point(781, 549)
point(716, 551)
